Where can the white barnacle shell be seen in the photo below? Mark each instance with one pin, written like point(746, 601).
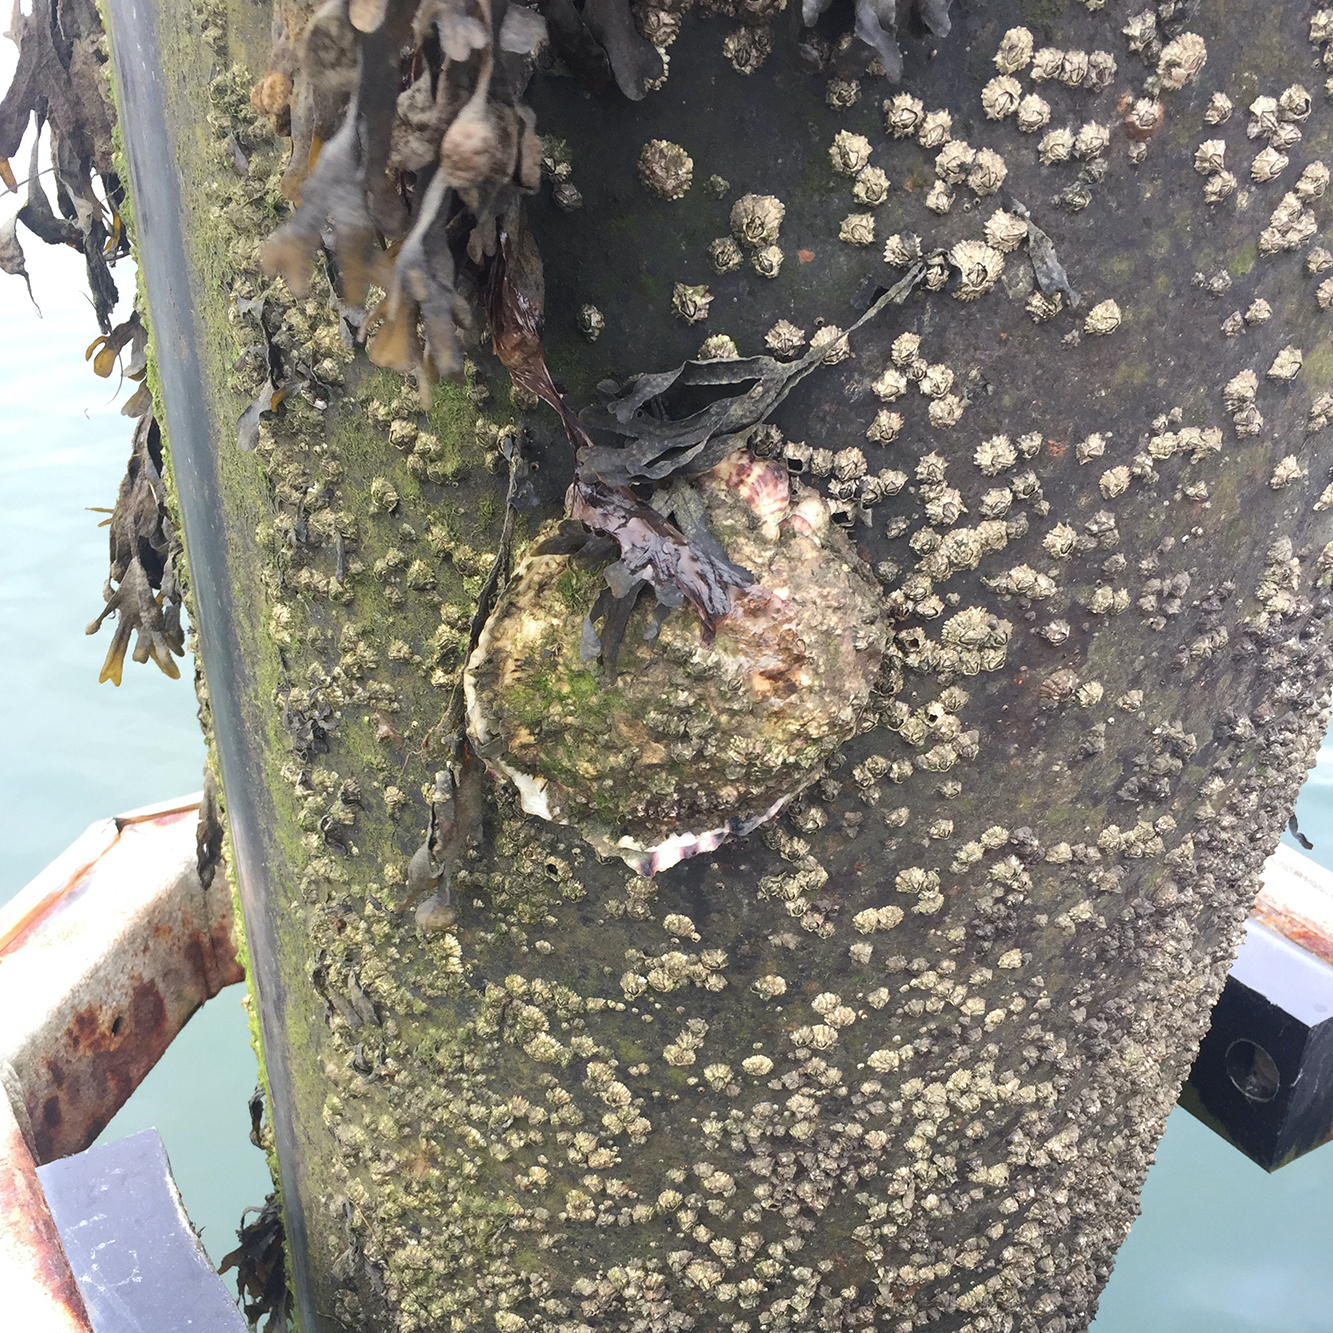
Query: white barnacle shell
point(1286, 136)
point(1042, 307)
point(1287, 364)
point(1101, 71)
point(1181, 60)
point(891, 385)
point(724, 255)
point(1318, 260)
point(1219, 187)
point(936, 129)
point(1047, 64)
point(784, 339)
point(1321, 26)
point(1093, 138)
point(1240, 390)
point(1268, 164)
point(885, 427)
point(1005, 231)
point(954, 160)
point(1114, 481)
point(1258, 312)
point(833, 337)
point(1218, 109)
point(1015, 51)
point(1324, 294)
point(1000, 97)
point(905, 349)
point(979, 266)
point(690, 303)
point(1312, 183)
point(857, 229)
point(1034, 113)
point(1210, 156)
point(995, 455)
point(766, 261)
point(756, 218)
point(936, 382)
point(1295, 103)
point(665, 169)
point(849, 152)
point(871, 188)
point(1287, 471)
point(1103, 318)
point(1055, 147)
point(1093, 446)
point(1074, 68)
point(902, 248)
point(938, 199)
point(987, 173)
point(944, 412)
point(903, 114)
point(1060, 542)
point(1290, 226)
point(1263, 117)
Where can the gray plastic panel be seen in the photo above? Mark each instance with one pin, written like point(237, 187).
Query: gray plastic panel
point(138, 1263)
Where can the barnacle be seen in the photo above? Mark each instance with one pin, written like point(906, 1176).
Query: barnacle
point(903, 115)
point(979, 266)
point(724, 255)
point(1092, 138)
point(665, 169)
point(842, 94)
point(1005, 231)
point(1268, 164)
point(1219, 187)
point(1034, 113)
point(1312, 183)
point(1103, 318)
point(954, 160)
point(902, 249)
point(857, 229)
point(1287, 364)
point(1015, 51)
point(871, 188)
point(1047, 64)
point(784, 339)
point(1056, 147)
point(690, 303)
point(781, 685)
point(718, 347)
point(756, 218)
point(1181, 60)
point(849, 153)
point(938, 199)
point(935, 129)
point(591, 322)
point(1000, 97)
point(766, 261)
point(1219, 109)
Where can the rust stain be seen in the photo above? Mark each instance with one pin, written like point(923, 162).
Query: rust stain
point(805, 256)
point(27, 1224)
point(101, 1057)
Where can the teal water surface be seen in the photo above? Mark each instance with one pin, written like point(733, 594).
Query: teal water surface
point(1221, 1247)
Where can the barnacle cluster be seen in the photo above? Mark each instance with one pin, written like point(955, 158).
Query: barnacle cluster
point(698, 737)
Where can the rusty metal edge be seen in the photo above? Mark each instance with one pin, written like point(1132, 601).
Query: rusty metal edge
point(40, 1291)
point(1296, 901)
point(146, 946)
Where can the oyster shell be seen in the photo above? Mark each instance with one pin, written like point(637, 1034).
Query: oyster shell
point(694, 742)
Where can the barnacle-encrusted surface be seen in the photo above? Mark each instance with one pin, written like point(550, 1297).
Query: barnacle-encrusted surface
point(694, 740)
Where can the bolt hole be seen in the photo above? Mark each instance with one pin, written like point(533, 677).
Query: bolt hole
point(552, 870)
point(116, 1024)
point(1252, 1070)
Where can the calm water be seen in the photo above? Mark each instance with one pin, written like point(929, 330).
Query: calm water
point(1221, 1247)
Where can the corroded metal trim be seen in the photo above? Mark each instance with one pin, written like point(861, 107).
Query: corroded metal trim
point(1296, 900)
point(103, 958)
point(40, 1294)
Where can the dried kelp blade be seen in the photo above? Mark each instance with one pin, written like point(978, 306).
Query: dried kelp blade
point(635, 61)
point(656, 550)
point(266, 402)
point(661, 447)
point(1046, 266)
point(11, 256)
